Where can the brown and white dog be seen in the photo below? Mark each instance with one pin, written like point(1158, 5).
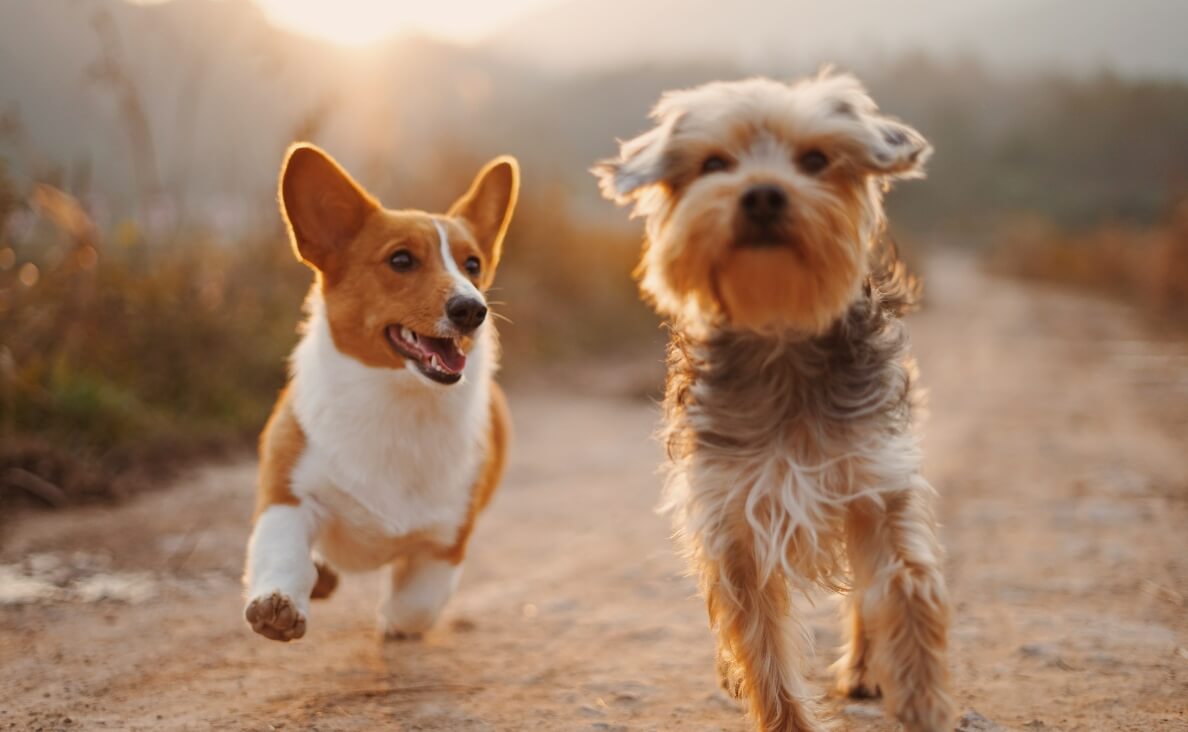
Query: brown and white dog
point(391, 435)
point(793, 462)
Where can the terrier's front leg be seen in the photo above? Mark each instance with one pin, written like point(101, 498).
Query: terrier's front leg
point(852, 669)
point(758, 658)
point(415, 594)
point(853, 676)
point(906, 610)
point(280, 572)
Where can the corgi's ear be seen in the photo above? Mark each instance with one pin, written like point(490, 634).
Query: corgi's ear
point(322, 205)
point(487, 207)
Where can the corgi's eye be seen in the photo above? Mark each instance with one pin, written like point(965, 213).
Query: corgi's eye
point(473, 266)
point(814, 161)
point(402, 260)
point(714, 164)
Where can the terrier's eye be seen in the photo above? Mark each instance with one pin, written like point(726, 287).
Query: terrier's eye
point(714, 164)
point(814, 161)
point(402, 260)
point(473, 266)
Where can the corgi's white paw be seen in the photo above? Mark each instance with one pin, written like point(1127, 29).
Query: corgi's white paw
point(274, 615)
point(404, 620)
point(416, 595)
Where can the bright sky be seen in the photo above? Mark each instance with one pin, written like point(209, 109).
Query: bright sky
point(358, 22)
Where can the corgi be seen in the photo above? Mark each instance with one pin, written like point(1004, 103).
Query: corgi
point(391, 435)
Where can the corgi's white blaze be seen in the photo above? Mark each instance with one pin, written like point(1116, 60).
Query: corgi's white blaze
point(462, 285)
point(279, 555)
point(388, 451)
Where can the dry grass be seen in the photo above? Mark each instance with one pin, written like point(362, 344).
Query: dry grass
point(1146, 266)
point(120, 356)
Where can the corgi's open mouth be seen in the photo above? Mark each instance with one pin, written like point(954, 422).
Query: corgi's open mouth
point(440, 359)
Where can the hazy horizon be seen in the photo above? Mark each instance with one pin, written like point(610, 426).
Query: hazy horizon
point(1066, 36)
point(212, 91)
point(458, 21)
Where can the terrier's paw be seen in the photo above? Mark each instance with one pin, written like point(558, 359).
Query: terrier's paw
point(275, 616)
point(928, 710)
point(854, 683)
point(393, 634)
point(729, 675)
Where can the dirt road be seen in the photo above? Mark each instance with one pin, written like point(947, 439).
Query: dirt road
point(1058, 439)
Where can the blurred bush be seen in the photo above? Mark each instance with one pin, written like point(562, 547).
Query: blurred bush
point(1144, 265)
point(120, 355)
point(123, 354)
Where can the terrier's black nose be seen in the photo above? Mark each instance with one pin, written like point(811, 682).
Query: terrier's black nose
point(763, 204)
point(466, 313)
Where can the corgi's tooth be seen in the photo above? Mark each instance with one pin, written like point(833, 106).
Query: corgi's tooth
point(435, 362)
point(407, 335)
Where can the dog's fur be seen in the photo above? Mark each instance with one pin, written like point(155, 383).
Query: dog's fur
point(385, 445)
point(788, 415)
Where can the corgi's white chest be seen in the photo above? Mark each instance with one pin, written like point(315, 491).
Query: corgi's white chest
point(387, 450)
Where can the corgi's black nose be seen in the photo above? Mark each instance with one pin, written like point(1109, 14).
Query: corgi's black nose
point(466, 313)
point(763, 204)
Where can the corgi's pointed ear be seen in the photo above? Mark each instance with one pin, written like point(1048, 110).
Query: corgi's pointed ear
point(322, 205)
point(487, 207)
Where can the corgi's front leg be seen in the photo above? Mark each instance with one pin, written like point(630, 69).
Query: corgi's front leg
point(415, 593)
point(280, 572)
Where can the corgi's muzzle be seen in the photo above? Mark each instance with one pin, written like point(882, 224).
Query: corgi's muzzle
point(440, 359)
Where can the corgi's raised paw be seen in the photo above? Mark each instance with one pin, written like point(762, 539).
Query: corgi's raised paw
point(275, 616)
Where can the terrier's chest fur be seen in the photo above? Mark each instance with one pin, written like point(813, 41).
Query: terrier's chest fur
point(792, 430)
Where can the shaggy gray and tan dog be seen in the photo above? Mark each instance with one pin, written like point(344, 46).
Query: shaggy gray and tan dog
point(793, 461)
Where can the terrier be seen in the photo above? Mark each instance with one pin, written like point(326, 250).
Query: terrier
point(788, 410)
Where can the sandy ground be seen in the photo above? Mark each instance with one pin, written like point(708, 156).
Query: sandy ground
point(1058, 439)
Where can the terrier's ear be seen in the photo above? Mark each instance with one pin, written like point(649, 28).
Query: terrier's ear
point(893, 149)
point(322, 205)
point(639, 165)
point(488, 206)
point(876, 143)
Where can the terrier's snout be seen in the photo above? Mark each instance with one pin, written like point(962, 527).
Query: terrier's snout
point(763, 204)
point(466, 313)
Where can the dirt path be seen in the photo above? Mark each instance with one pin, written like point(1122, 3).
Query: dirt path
point(1059, 440)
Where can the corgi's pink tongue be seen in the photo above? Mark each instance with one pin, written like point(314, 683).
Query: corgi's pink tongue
point(449, 356)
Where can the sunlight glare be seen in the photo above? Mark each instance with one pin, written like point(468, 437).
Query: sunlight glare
point(363, 22)
point(346, 22)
